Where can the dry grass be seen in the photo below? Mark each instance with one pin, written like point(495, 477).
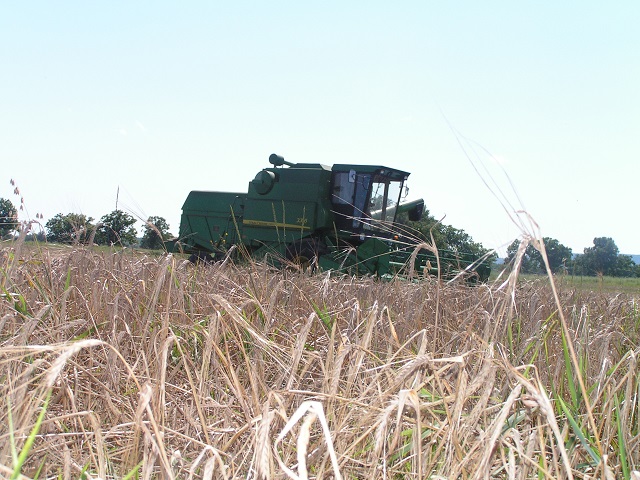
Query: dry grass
point(148, 367)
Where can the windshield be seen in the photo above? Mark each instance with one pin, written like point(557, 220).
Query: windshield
point(358, 196)
point(385, 195)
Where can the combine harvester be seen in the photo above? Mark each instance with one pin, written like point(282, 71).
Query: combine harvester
point(340, 218)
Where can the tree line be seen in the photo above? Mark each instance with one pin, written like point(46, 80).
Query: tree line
point(602, 258)
point(115, 228)
point(446, 237)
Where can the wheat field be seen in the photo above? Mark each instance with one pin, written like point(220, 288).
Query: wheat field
point(118, 364)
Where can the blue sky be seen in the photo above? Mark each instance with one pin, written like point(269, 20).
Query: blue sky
point(160, 98)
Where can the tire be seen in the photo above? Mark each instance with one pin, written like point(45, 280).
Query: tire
point(201, 257)
point(305, 253)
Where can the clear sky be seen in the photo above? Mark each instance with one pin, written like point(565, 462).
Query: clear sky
point(160, 98)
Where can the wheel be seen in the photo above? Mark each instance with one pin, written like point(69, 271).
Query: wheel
point(201, 257)
point(304, 254)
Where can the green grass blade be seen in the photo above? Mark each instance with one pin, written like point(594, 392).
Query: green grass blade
point(134, 472)
point(12, 440)
point(36, 476)
point(24, 453)
point(622, 448)
point(575, 397)
point(67, 282)
point(578, 432)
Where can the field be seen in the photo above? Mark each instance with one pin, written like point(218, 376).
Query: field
point(117, 364)
point(604, 284)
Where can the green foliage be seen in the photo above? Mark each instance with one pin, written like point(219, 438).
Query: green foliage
point(324, 316)
point(8, 217)
point(446, 237)
point(116, 228)
point(603, 256)
point(625, 267)
point(134, 471)
point(558, 256)
point(601, 259)
point(39, 236)
point(622, 447)
point(71, 228)
point(156, 230)
point(19, 459)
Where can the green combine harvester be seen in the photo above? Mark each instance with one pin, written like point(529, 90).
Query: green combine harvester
point(340, 218)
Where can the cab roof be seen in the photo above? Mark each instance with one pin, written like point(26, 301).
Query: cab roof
point(392, 173)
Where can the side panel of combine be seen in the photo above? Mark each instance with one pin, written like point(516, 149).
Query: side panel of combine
point(285, 205)
point(210, 220)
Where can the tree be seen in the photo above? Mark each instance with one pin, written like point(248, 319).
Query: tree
point(529, 263)
point(8, 217)
point(156, 230)
point(625, 267)
point(445, 236)
point(71, 228)
point(116, 227)
point(558, 256)
point(601, 259)
point(424, 227)
point(39, 236)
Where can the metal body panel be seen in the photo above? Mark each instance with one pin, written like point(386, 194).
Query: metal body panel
point(209, 220)
point(294, 206)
